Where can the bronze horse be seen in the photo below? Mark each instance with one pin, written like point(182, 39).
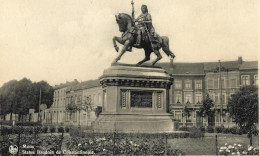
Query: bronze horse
point(126, 26)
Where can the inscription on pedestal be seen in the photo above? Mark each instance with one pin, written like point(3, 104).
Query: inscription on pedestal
point(141, 99)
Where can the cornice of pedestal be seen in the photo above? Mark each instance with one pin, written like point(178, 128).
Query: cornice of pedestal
point(136, 83)
point(136, 76)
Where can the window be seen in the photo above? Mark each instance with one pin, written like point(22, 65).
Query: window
point(233, 83)
point(71, 99)
point(74, 117)
point(223, 83)
point(178, 84)
point(79, 98)
point(198, 98)
point(178, 98)
point(211, 96)
point(255, 79)
point(198, 84)
point(188, 84)
point(216, 83)
point(210, 84)
point(216, 98)
point(245, 80)
point(223, 100)
point(54, 116)
point(188, 98)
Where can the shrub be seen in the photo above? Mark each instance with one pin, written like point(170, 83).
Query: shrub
point(8, 123)
point(28, 130)
point(18, 123)
point(210, 129)
point(77, 132)
point(255, 131)
point(219, 129)
point(61, 129)
point(6, 130)
point(233, 130)
point(226, 130)
point(184, 128)
point(44, 129)
point(67, 129)
point(52, 129)
point(18, 129)
point(37, 129)
point(196, 133)
point(98, 110)
point(202, 128)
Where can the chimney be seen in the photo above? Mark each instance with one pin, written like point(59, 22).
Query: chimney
point(240, 60)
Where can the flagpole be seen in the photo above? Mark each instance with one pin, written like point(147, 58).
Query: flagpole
point(220, 87)
point(39, 117)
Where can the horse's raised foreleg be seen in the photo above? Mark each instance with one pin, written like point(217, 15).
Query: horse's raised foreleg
point(126, 45)
point(119, 40)
point(159, 56)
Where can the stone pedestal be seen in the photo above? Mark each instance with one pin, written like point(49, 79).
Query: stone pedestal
point(135, 100)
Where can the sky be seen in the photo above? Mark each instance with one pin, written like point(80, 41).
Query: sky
point(59, 41)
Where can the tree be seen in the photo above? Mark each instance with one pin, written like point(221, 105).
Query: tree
point(206, 108)
point(19, 96)
point(71, 108)
point(7, 97)
point(46, 94)
point(243, 108)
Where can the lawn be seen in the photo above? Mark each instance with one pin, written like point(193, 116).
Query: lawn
point(207, 145)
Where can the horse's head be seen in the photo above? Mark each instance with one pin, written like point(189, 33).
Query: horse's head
point(124, 22)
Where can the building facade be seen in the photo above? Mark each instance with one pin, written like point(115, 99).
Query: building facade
point(187, 92)
point(220, 85)
point(57, 112)
point(192, 81)
point(86, 96)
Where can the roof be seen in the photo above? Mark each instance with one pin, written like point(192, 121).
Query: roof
point(230, 65)
point(249, 65)
point(63, 85)
point(84, 85)
point(183, 68)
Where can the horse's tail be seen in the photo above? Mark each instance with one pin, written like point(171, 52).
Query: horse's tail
point(166, 47)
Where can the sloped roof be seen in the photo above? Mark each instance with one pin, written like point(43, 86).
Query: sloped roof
point(63, 85)
point(84, 85)
point(249, 65)
point(230, 65)
point(183, 68)
point(90, 84)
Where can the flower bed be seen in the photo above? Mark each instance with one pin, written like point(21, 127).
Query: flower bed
point(237, 149)
point(121, 144)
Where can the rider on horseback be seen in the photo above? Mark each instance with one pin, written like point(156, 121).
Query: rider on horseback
point(144, 22)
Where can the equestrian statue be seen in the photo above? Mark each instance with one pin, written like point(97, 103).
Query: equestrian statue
point(140, 35)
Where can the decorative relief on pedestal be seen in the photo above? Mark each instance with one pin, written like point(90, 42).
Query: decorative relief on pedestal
point(159, 100)
point(142, 99)
point(123, 98)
